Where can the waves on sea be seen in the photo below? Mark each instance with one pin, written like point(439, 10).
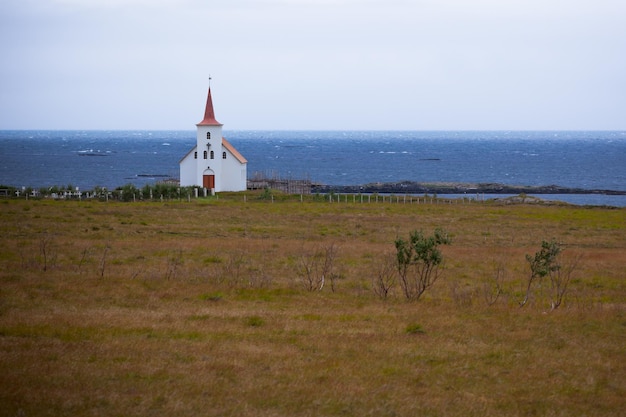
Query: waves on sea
point(86, 159)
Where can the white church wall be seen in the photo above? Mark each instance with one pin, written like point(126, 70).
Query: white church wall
point(188, 171)
point(233, 174)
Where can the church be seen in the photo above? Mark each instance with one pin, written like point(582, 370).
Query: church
point(213, 163)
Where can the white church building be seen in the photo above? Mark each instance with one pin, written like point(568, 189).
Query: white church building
point(213, 163)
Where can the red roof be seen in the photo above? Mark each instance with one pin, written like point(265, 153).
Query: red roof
point(234, 151)
point(209, 114)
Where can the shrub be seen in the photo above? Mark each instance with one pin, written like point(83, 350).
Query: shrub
point(255, 321)
point(216, 296)
point(548, 262)
point(418, 261)
point(414, 328)
point(385, 277)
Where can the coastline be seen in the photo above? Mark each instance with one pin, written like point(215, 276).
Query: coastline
point(413, 187)
point(168, 187)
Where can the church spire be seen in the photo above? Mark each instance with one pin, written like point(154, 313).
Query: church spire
point(209, 114)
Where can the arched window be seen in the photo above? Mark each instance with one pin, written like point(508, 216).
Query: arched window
point(195, 155)
point(208, 135)
point(204, 154)
point(223, 155)
point(212, 155)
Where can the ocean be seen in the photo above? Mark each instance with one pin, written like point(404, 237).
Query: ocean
point(86, 159)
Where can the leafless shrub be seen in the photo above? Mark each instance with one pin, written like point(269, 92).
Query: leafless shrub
point(232, 269)
point(495, 287)
point(174, 262)
point(47, 251)
point(103, 260)
point(316, 267)
point(330, 254)
point(385, 277)
point(561, 278)
point(83, 258)
point(258, 278)
point(463, 296)
point(238, 270)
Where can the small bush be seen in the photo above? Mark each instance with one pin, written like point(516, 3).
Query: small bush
point(414, 329)
point(211, 297)
point(254, 321)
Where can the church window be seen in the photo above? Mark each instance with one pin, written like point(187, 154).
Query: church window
point(212, 155)
point(208, 135)
point(204, 154)
point(195, 155)
point(223, 155)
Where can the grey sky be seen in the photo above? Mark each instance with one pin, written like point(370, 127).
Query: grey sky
point(314, 64)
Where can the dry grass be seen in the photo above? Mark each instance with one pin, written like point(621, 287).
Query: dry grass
point(197, 309)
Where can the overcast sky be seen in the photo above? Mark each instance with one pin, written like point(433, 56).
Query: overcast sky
point(314, 64)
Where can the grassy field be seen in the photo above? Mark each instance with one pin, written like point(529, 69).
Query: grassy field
point(202, 308)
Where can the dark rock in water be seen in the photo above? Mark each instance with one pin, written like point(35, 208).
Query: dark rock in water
point(411, 187)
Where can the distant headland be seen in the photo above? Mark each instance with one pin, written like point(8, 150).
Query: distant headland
point(412, 187)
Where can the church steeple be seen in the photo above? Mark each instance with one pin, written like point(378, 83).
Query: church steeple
point(213, 164)
point(209, 114)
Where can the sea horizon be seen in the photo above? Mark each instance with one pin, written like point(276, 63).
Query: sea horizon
point(226, 130)
point(590, 159)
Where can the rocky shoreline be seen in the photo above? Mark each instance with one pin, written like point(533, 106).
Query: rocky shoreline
point(411, 187)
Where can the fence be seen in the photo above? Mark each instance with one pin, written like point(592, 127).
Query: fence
point(260, 181)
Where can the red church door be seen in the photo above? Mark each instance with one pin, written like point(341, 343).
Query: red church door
point(208, 181)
